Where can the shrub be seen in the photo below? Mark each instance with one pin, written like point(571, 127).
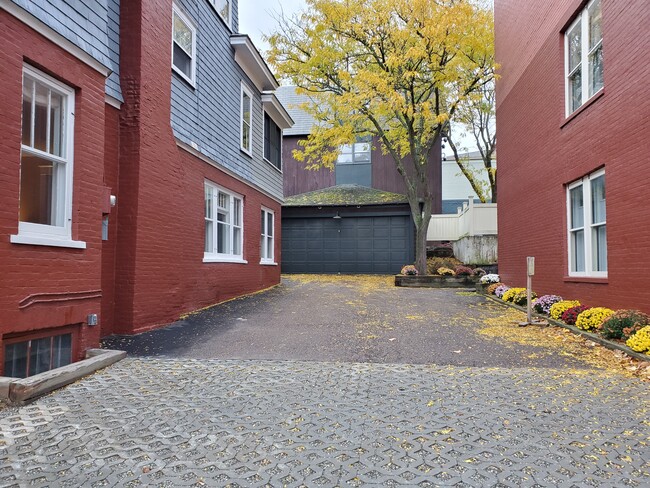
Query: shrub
point(409, 270)
point(433, 263)
point(479, 272)
point(501, 290)
point(640, 342)
point(509, 295)
point(493, 287)
point(521, 297)
point(558, 308)
point(490, 278)
point(445, 272)
point(614, 326)
point(593, 318)
point(463, 271)
point(571, 315)
point(543, 303)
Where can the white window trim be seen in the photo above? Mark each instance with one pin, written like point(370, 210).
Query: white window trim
point(583, 20)
point(51, 235)
point(585, 182)
point(215, 257)
point(247, 91)
point(192, 79)
point(264, 234)
point(227, 22)
point(279, 170)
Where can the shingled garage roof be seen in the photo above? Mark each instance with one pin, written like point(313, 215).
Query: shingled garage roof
point(342, 195)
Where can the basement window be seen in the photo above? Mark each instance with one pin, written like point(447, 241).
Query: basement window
point(25, 358)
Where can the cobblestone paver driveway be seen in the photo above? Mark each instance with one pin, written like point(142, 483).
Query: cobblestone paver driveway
point(161, 421)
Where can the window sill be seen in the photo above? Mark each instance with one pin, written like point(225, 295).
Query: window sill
point(279, 170)
point(587, 279)
point(268, 263)
point(47, 241)
point(181, 75)
point(596, 96)
point(246, 152)
point(224, 260)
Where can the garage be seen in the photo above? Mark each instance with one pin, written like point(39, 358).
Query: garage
point(347, 230)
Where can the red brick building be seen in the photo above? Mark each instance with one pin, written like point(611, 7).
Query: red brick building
point(573, 119)
point(133, 188)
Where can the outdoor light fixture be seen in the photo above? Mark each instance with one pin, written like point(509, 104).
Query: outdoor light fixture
point(337, 216)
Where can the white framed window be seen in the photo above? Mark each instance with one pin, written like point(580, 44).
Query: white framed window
point(272, 142)
point(183, 45)
point(224, 9)
point(583, 53)
point(268, 236)
point(587, 226)
point(46, 162)
point(246, 117)
point(224, 225)
point(357, 153)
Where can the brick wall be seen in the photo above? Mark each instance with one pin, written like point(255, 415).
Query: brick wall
point(540, 150)
point(159, 269)
point(40, 272)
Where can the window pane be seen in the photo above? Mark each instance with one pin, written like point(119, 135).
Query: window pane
point(182, 35)
point(224, 201)
point(577, 208)
point(182, 61)
point(16, 360)
point(236, 232)
point(208, 203)
point(56, 124)
point(269, 224)
point(40, 117)
point(40, 355)
point(237, 211)
point(362, 152)
point(223, 7)
point(37, 191)
point(578, 251)
point(62, 354)
point(596, 80)
point(598, 210)
point(575, 46)
point(269, 248)
point(575, 90)
point(599, 248)
point(28, 85)
point(595, 20)
point(223, 238)
point(262, 247)
point(209, 236)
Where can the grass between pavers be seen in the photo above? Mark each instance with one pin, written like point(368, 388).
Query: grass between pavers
point(602, 353)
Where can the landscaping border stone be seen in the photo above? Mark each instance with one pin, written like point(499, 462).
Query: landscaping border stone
point(20, 390)
point(436, 281)
point(592, 337)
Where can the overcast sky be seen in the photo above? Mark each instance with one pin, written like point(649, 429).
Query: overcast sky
point(256, 17)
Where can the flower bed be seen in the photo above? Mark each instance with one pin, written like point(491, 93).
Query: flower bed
point(626, 330)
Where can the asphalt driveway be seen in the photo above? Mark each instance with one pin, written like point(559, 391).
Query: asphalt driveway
point(347, 319)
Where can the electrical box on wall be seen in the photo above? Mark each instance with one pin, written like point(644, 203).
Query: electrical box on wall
point(92, 319)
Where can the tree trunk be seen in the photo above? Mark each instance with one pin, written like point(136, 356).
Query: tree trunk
point(421, 247)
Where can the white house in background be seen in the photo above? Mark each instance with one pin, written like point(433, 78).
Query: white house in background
point(455, 187)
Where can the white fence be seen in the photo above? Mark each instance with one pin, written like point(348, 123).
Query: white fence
point(472, 219)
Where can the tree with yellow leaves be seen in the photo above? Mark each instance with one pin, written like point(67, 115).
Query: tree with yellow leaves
point(394, 69)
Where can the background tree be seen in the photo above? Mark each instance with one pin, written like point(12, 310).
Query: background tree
point(476, 114)
point(394, 69)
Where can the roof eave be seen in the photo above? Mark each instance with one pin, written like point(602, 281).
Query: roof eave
point(251, 61)
point(276, 110)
